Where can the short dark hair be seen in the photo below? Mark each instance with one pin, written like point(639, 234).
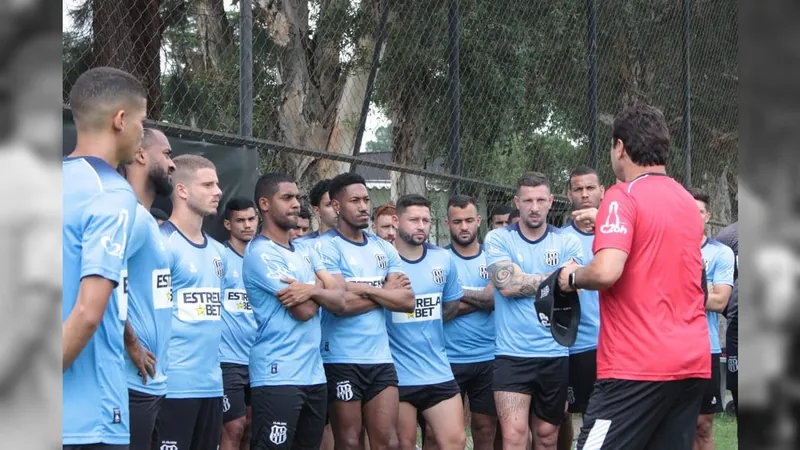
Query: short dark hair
point(644, 133)
point(267, 184)
point(305, 213)
point(341, 181)
point(581, 171)
point(500, 211)
point(460, 201)
point(318, 191)
point(514, 214)
point(238, 203)
point(533, 179)
point(410, 200)
point(701, 196)
point(98, 87)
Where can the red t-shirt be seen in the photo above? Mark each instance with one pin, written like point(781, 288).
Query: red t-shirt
point(652, 320)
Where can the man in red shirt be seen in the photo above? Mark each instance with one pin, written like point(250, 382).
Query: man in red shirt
point(653, 355)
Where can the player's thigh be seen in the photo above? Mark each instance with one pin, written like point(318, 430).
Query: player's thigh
point(208, 430)
point(144, 410)
point(235, 381)
point(479, 390)
point(380, 417)
point(622, 415)
point(276, 410)
point(549, 397)
point(582, 375)
point(407, 425)
point(513, 383)
point(377, 378)
point(678, 427)
point(711, 402)
point(311, 422)
point(445, 417)
point(346, 386)
point(176, 422)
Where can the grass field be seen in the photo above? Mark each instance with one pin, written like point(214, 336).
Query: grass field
point(725, 435)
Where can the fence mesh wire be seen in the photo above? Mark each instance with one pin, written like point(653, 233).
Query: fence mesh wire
point(523, 83)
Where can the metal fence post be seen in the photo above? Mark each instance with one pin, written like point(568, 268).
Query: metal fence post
point(246, 68)
point(687, 95)
point(591, 10)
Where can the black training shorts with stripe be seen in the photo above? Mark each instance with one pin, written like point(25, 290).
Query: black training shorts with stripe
point(288, 417)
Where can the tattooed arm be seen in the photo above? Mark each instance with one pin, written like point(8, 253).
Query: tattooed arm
point(511, 281)
point(483, 299)
point(450, 310)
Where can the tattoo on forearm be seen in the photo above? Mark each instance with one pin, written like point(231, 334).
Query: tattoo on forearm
point(449, 310)
point(506, 276)
point(479, 299)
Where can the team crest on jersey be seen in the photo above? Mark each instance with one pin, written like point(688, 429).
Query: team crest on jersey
point(218, 267)
point(551, 257)
point(438, 275)
point(484, 272)
point(382, 260)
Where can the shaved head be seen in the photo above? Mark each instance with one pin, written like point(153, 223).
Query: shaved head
point(186, 167)
point(99, 93)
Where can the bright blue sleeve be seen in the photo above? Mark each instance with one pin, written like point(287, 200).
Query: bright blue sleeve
point(496, 248)
point(573, 249)
point(724, 268)
point(452, 288)
point(330, 256)
point(316, 261)
point(395, 263)
point(108, 224)
point(271, 268)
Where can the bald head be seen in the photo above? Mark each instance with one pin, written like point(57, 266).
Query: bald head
point(154, 140)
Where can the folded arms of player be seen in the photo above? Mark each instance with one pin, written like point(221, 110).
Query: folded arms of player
point(85, 317)
point(718, 296)
point(483, 299)
point(395, 295)
point(512, 282)
point(303, 300)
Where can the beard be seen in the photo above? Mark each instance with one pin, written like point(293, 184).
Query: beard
point(455, 238)
point(284, 222)
point(409, 239)
point(357, 226)
point(160, 181)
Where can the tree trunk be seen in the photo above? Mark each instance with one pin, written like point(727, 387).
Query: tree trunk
point(213, 32)
point(408, 137)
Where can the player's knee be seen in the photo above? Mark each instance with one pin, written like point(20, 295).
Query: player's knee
point(546, 433)
point(452, 439)
point(350, 440)
point(234, 429)
point(514, 434)
point(705, 428)
point(483, 428)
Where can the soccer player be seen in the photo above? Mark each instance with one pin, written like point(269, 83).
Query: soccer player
point(149, 289)
point(109, 107)
point(417, 339)
point(383, 222)
point(191, 416)
point(320, 201)
point(469, 337)
point(500, 216)
point(585, 193)
point(238, 326)
point(531, 369)
point(730, 237)
point(719, 262)
point(362, 380)
point(303, 223)
point(645, 398)
point(286, 284)
point(513, 217)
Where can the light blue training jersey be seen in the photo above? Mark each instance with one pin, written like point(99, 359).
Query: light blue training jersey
point(149, 300)
point(359, 339)
point(589, 328)
point(286, 350)
point(720, 263)
point(519, 332)
point(470, 338)
point(417, 338)
point(239, 328)
point(198, 274)
point(99, 210)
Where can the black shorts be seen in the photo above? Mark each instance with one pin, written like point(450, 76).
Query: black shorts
point(428, 396)
point(712, 399)
point(236, 382)
point(732, 374)
point(288, 417)
point(95, 447)
point(582, 375)
point(189, 424)
point(546, 380)
point(475, 380)
point(654, 415)
point(144, 410)
point(358, 382)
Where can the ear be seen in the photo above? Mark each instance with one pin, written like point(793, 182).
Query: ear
point(118, 121)
point(395, 220)
point(140, 156)
point(447, 222)
point(227, 224)
point(479, 220)
point(516, 201)
point(549, 199)
point(180, 191)
point(336, 206)
point(263, 204)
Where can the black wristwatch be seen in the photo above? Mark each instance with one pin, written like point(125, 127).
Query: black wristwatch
point(571, 281)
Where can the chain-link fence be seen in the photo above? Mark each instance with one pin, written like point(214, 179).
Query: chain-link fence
point(429, 96)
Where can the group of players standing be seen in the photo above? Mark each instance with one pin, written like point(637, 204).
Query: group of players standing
point(169, 334)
